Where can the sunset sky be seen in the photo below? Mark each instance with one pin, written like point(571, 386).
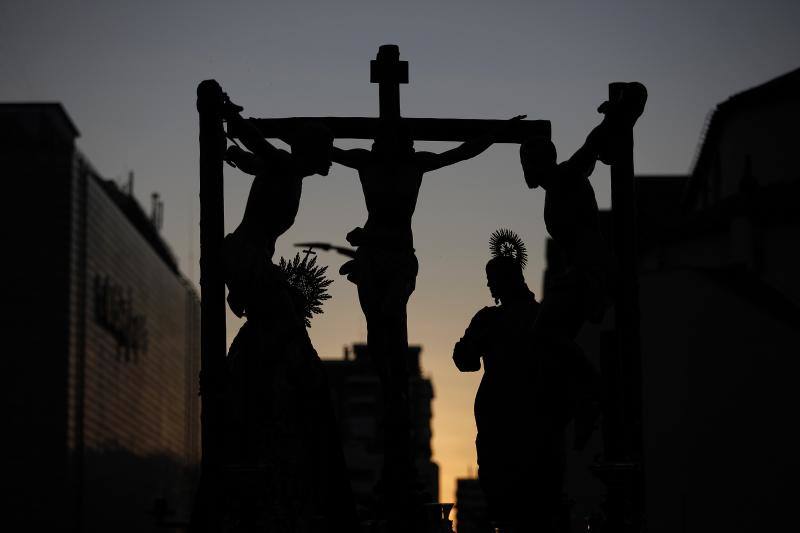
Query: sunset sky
point(126, 72)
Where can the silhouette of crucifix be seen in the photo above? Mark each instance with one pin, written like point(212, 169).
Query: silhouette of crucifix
point(385, 267)
point(388, 72)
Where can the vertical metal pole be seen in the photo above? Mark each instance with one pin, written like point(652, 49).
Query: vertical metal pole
point(626, 310)
point(212, 291)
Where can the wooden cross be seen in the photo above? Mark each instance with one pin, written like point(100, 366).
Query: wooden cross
point(307, 253)
point(389, 72)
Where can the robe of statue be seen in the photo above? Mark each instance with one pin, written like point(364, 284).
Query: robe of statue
point(521, 411)
point(281, 433)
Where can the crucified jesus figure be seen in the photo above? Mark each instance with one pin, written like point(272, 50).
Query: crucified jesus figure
point(385, 271)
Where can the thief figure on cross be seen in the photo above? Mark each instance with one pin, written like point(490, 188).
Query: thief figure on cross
point(583, 289)
point(385, 266)
point(279, 420)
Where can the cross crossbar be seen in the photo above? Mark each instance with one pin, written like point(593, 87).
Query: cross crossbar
point(420, 129)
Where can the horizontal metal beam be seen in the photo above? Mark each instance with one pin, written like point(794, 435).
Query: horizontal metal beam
point(421, 129)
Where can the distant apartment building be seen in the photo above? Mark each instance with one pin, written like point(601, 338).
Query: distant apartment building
point(357, 398)
point(472, 514)
point(101, 344)
point(718, 262)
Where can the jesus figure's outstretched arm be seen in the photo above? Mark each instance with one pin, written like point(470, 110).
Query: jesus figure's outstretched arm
point(430, 161)
point(354, 158)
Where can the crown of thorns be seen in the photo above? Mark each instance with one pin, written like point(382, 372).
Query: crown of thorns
point(506, 243)
point(308, 281)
